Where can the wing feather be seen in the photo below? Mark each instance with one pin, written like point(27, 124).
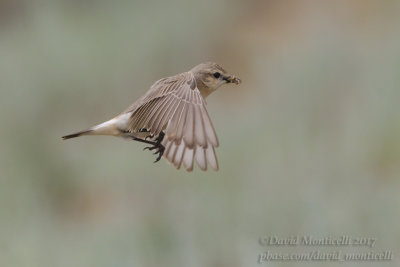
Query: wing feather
point(211, 157)
point(178, 156)
point(171, 153)
point(151, 120)
point(199, 127)
point(188, 159)
point(165, 115)
point(188, 128)
point(173, 124)
point(209, 128)
point(181, 124)
point(201, 158)
point(142, 114)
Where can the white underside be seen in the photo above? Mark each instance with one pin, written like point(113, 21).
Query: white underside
point(113, 127)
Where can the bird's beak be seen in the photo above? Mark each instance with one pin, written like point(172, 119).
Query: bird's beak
point(232, 79)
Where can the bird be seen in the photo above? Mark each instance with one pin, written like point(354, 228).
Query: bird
point(171, 117)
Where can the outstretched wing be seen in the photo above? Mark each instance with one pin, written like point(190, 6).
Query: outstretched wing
point(175, 105)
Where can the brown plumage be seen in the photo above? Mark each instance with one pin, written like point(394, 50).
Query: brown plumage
point(174, 109)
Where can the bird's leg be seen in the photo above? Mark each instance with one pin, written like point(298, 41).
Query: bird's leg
point(157, 145)
point(144, 141)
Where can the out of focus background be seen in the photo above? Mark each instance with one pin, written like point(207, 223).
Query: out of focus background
point(310, 141)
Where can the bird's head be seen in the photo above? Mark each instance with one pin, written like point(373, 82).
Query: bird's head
point(210, 76)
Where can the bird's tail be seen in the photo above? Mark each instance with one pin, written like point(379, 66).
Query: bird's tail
point(85, 132)
point(110, 127)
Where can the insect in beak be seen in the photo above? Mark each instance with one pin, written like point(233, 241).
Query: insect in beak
point(231, 79)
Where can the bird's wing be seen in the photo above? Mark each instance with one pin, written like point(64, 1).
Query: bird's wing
point(176, 105)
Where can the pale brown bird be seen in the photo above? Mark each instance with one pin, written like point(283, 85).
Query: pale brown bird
point(172, 117)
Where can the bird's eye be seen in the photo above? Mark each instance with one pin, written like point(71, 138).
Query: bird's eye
point(217, 75)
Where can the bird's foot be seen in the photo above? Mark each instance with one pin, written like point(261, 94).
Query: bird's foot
point(158, 146)
point(159, 149)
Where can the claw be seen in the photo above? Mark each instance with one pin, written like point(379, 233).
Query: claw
point(159, 157)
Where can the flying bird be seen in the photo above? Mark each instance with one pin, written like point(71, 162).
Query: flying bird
point(172, 118)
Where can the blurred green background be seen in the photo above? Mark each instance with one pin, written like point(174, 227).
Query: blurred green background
point(310, 141)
